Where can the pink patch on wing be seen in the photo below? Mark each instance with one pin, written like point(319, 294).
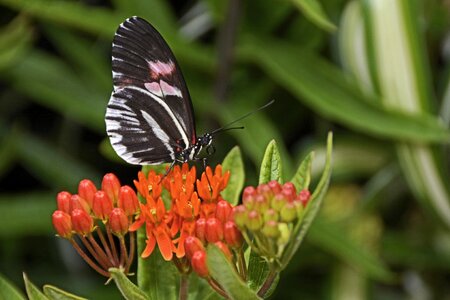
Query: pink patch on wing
point(160, 69)
point(154, 88)
point(167, 89)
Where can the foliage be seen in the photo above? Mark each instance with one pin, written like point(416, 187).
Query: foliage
point(385, 93)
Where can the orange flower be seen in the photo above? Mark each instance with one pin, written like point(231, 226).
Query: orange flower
point(209, 188)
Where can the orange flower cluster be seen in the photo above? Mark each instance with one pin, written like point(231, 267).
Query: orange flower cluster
point(170, 218)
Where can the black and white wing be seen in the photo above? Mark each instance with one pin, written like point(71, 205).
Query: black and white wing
point(149, 118)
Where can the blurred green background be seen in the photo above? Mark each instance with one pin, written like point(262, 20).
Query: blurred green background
point(375, 72)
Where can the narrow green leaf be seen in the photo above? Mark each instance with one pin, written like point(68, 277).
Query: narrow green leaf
point(302, 177)
point(29, 213)
point(258, 269)
point(233, 163)
point(305, 74)
point(314, 12)
point(312, 209)
point(9, 291)
point(51, 166)
point(32, 291)
point(15, 40)
point(336, 241)
point(55, 293)
point(224, 273)
point(128, 289)
point(157, 278)
point(271, 164)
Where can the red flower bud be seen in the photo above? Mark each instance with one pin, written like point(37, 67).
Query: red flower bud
point(128, 200)
point(86, 190)
point(82, 222)
point(223, 210)
point(288, 212)
point(224, 248)
point(248, 191)
point(214, 230)
point(102, 205)
point(111, 186)
point(198, 263)
point(254, 220)
point(304, 196)
point(274, 186)
point(62, 224)
point(63, 201)
point(248, 201)
point(200, 229)
point(118, 222)
point(265, 190)
point(192, 245)
point(232, 235)
point(289, 191)
point(76, 202)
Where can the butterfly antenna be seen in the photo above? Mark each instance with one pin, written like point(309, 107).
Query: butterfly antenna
point(226, 127)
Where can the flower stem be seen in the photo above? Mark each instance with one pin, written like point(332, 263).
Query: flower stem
point(131, 252)
point(184, 287)
point(242, 264)
point(268, 282)
point(215, 285)
point(111, 242)
point(88, 260)
point(102, 260)
point(105, 245)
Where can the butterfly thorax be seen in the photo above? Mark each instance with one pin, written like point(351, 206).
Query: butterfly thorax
point(193, 151)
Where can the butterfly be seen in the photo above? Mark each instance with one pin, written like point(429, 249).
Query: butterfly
point(149, 117)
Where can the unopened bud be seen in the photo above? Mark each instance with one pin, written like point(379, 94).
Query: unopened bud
point(278, 202)
point(102, 205)
point(63, 200)
point(192, 245)
point(304, 196)
point(118, 222)
point(274, 186)
point(86, 190)
point(198, 262)
point(271, 215)
point(285, 234)
point(265, 190)
point(288, 212)
point(111, 186)
point(82, 222)
point(261, 202)
point(239, 215)
point(288, 191)
point(223, 210)
point(214, 230)
point(128, 200)
point(225, 250)
point(232, 235)
point(270, 229)
point(62, 224)
point(76, 202)
point(254, 220)
point(200, 229)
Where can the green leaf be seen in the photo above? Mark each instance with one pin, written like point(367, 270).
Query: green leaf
point(55, 168)
point(258, 269)
point(224, 273)
point(15, 40)
point(28, 213)
point(305, 74)
point(335, 240)
point(233, 163)
point(302, 177)
point(128, 289)
point(32, 291)
point(271, 164)
point(55, 293)
point(157, 278)
point(312, 209)
point(314, 12)
point(9, 291)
